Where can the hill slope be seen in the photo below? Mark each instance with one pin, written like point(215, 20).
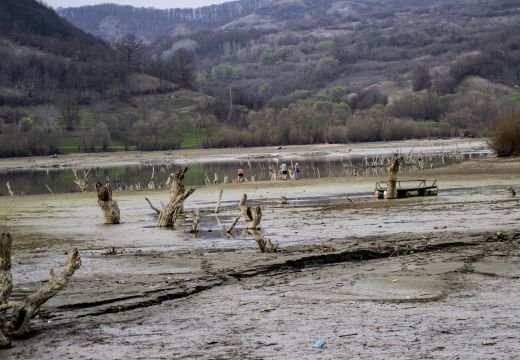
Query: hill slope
point(112, 22)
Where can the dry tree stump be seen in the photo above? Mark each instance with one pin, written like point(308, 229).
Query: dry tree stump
point(15, 317)
point(251, 216)
point(109, 206)
point(391, 186)
point(178, 194)
point(195, 222)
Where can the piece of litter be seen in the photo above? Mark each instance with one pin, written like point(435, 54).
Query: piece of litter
point(319, 344)
point(267, 309)
point(395, 280)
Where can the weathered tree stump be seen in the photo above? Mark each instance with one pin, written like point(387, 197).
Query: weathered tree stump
point(251, 216)
point(178, 194)
point(391, 187)
point(195, 222)
point(109, 206)
point(15, 317)
point(264, 246)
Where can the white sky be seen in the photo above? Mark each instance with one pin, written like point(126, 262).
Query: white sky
point(159, 4)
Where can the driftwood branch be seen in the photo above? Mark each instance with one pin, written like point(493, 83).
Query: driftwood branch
point(48, 188)
point(9, 190)
point(233, 224)
point(151, 205)
point(20, 323)
point(17, 320)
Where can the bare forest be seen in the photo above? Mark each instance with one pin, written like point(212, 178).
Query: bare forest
point(273, 73)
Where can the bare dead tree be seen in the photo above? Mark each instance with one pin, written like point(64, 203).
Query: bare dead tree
point(107, 204)
point(178, 194)
point(81, 181)
point(15, 317)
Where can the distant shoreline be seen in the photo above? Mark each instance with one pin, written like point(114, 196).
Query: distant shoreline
point(187, 156)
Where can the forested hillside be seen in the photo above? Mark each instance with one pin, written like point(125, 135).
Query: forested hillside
point(62, 89)
point(254, 73)
point(314, 71)
point(112, 22)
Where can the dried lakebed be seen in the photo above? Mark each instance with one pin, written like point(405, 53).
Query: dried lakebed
point(430, 277)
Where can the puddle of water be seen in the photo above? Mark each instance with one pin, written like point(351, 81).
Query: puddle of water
point(130, 177)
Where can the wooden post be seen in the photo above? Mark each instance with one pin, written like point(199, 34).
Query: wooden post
point(178, 195)
point(110, 208)
point(391, 186)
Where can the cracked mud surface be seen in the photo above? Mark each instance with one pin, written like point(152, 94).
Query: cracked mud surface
point(413, 278)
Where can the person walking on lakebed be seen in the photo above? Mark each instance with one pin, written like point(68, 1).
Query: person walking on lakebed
point(240, 175)
point(284, 169)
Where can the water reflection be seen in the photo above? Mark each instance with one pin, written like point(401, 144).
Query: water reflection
point(37, 181)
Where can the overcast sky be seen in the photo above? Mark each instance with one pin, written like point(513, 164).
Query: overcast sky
point(159, 4)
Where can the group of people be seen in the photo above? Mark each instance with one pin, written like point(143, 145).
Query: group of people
point(284, 170)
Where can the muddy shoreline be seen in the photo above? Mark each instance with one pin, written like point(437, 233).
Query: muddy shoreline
point(84, 161)
point(427, 277)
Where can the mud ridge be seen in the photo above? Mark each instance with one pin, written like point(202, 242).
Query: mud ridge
point(346, 256)
point(151, 298)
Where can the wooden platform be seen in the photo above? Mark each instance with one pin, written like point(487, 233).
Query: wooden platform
point(409, 188)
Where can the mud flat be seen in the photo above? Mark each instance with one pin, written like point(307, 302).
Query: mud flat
point(429, 277)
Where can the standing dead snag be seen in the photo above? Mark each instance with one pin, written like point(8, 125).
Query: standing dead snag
point(391, 188)
point(15, 317)
point(178, 195)
point(109, 206)
point(195, 222)
point(81, 181)
point(252, 217)
point(219, 200)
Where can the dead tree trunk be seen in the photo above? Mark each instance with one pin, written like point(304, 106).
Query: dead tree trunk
point(6, 281)
point(178, 195)
point(109, 206)
point(219, 200)
point(252, 217)
point(391, 186)
point(11, 192)
point(81, 181)
point(195, 222)
point(16, 321)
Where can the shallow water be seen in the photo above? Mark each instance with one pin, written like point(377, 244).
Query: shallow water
point(133, 177)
